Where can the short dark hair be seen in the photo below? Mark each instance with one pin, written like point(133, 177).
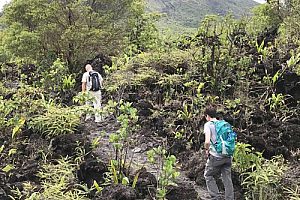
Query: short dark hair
point(211, 111)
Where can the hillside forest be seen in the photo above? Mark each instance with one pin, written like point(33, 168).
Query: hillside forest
point(184, 16)
point(157, 83)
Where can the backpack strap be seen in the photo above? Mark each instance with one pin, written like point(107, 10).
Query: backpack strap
point(90, 74)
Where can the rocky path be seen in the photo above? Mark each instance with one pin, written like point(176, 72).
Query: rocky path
point(186, 189)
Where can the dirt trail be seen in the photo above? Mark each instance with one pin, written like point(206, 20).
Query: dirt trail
point(138, 154)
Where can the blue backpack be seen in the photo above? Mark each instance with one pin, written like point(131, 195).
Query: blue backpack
point(225, 140)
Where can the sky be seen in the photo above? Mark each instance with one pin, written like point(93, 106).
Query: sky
point(2, 2)
point(259, 1)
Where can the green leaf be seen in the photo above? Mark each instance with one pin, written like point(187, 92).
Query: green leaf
point(125, 181)
point(8, 167)
point(98, 188)
point(135, 179)
point(17, 129)
point(12, 152)
point(1, 149)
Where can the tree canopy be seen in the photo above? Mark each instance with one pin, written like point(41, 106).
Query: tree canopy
point(72, 30)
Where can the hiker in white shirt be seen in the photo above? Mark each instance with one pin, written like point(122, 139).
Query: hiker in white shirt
point(95, 93)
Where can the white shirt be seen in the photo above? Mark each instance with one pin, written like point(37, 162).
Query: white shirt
point(86, 79)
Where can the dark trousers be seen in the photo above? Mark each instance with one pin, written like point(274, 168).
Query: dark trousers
point(213, 166)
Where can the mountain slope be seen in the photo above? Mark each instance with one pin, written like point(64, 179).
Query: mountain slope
point(188, 13)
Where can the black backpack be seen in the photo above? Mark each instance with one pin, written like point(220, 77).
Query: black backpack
point(94, 79)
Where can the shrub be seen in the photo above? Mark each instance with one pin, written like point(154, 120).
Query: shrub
point(263, 180)
point(261, 177)
point(166, 169)
point(293, 192)
point(57, 183)
point(127, 117)
point(56, 121)
point(245, 157)
point(18, 106)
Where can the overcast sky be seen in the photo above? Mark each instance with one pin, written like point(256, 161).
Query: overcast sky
point(260, 1)
point(2, 2)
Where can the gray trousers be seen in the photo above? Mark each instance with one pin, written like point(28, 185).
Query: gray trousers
point(213, 166)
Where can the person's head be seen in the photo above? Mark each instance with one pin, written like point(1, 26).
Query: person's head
point(88, 68)
point(210, 112)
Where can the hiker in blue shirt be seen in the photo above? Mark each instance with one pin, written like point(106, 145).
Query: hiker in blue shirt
point(216, 161)
point(92, 83)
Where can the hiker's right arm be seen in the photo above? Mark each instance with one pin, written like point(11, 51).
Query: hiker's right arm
point(83, 82)
point(83, 86)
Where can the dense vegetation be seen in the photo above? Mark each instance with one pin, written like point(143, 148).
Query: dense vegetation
point(156, 87)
